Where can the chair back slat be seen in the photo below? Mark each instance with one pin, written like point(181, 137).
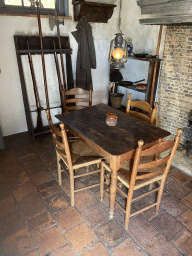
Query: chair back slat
point(77, 100)
point(58, 144)
point(150, 175)
point(77, 91)
point(154, 163)
point(75, 96)
point(142, 105)
point(158, 148)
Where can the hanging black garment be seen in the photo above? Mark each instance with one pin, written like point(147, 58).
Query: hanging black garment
point(86, 58)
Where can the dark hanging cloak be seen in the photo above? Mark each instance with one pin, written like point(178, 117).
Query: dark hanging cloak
point(86, 58)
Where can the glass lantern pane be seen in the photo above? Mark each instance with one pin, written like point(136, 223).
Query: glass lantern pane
point(13, 2)
point(48, 3)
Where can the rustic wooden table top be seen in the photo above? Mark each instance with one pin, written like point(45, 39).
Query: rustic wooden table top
point(116, 140)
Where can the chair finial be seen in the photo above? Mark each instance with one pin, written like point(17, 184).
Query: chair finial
point(140, 143)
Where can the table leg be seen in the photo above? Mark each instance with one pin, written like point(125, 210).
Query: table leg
point(114, 165)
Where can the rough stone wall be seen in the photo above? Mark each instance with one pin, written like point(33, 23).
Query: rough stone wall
point(175, 81)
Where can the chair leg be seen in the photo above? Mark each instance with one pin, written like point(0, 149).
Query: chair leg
point(72, 187)
point(128, 209)
point(101, 181)
point(59, 169)
point(159, 195)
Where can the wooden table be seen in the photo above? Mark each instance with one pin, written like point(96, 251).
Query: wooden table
point(115, 144)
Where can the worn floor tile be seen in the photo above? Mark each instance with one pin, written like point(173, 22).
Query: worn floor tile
point(68, 218)
point(49, 188)
point(95, 214)
point(184, 242)
point(173, 206)
point(31, 205)
point(91, 180)
point(188, 184)
point(160, 246)
point(110, 232)
point(188, 200)
point(83, 199)
point(186, 219)
point(19, 178)
point(167, 225)
point(57, 202)
point(65, 251)
point(11, 224)
point(7, 206)
point(32, 157)
point(24, 190)
point(32, 253)
point(35, 167)
point(5, 191)
point(175, 188)
point(66, 185)
point(41, 177)
point(180, 176)
point(81, 237)
point(49, 240)
point(127, 248)
point(140, 229)
point(97, 249)
point(19, 243)
point(40, 221)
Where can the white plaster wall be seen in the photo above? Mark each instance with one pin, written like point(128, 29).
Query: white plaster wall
point(12, 115)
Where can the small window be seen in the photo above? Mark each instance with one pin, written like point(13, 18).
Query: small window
point(23, 7)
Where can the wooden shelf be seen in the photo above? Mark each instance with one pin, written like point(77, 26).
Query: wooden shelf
point(95, 12)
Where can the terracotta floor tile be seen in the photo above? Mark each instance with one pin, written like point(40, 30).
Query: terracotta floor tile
point(29, 158)
point(32, 253)
point(41, 177)
point(49, 240)
point(167, 225)
point(49, 188)
point(31, 205)
point(140, 229)
point(127, 248)
point(35, 167)
point(95, 214)
point(24, 151)
point(81, 237)
point(18, 179)
point(110, 232)
point(24, 190)
point(119, 215)
point(180, 176)
point(49, 159)
point(57, 202)
point(91, 180)
point(105, 198)
point(173, 206)
point(188, 184)
point(7, 206)
point(65, 251)
point(83, 199)
point(184, 243)
point(12, 169)
point(188, 200)
point(175, 188)
point(18, 244)
point(186, 219)
point(11, 224)
point(66, 186)
point(97, 249)
point(40, 221)
point(68, 218)
point(159, 246)
point(5, 191)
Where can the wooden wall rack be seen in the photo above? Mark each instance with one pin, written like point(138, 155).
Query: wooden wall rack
point(35, 49)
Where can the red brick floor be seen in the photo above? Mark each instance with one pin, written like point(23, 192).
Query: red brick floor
point(36, 217)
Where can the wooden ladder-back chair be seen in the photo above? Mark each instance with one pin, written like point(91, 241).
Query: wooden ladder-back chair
point(143, 105)
point(74, 98)
point(147, 168)
point(73, 155)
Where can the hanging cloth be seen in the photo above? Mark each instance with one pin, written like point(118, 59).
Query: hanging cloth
point(86, 58)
